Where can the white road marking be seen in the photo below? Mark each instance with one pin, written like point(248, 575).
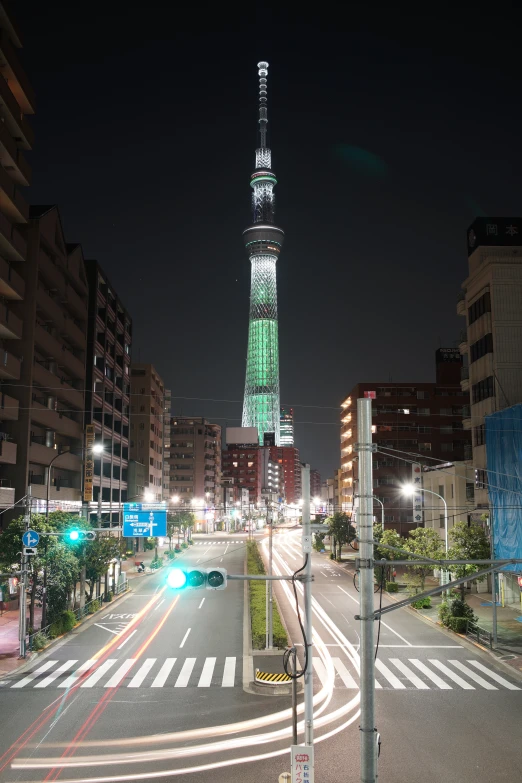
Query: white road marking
point(142, 673)
point(98, 673)
point(431, 675)
point(390, 676)
point(120, 673)
point(126, 640)
point(184, 639)
point(495, 676)
point(475, 677)
point(323, 573)
point(412, 677)
point(382, 621)
point(52, 677)
point(161, 677)
point(344, 674)
point(455, 677)
point(158, 605)
point(74, 676)
point(184, 675)
point(201, 604)
point(206, 675)
point(229, 673)
point(107, 629)
point(30, 677)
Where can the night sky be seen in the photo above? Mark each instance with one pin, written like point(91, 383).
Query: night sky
point(386, 141)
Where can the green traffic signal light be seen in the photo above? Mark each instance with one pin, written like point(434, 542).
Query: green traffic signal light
point(176, 578)
point(211, 578)
point(74, 535)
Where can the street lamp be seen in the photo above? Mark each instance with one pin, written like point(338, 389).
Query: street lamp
point(382, 510)
point(409, 490)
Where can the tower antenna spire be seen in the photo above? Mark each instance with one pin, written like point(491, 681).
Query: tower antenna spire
point(263, 115)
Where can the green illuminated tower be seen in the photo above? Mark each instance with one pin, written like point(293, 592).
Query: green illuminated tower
point(263, 241)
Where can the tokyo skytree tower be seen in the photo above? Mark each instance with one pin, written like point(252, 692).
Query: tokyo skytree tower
point(263, 242)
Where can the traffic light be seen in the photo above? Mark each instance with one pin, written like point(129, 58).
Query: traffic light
point(195, 578)
point(76, 535)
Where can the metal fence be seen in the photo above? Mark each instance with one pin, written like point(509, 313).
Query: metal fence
point(480, 635)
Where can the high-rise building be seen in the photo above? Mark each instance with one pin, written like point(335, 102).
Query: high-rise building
point(146, 425)
point(491, 301)
point(288, 458)
point(42, 412)
point(315, 483)
point(263, 241)
point(420, 422)
point(166, 443)
point(286, 419)
point(195, 461)
point(109, 344)
point(16, 137)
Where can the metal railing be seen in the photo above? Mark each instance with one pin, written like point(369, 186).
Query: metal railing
point(480, 635)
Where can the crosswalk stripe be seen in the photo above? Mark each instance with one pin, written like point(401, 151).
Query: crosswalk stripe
point(161, 677)
point(79, 671)
point(390, 676)
point(98, 673)
point(229, 673)
point(206, 675)
point(455, 677)
point(32, 675)
point(412, 677)
point(118, 676)
point(431, 675)
point(142, 673)
point(184, 675)
point(344, 674)
point(320, 670)
point(52, 677)
point(475, 677)
point(495, 676)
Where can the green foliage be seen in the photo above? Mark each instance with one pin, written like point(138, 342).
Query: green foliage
point(171, 555)
point(68, 621)
point(93, 606)
point(319, 541)
point(341, 529)
point(108, 596)
point(392, 538)
point(459, 608)
point(413, 583)
point(332, 556)
point(424, 603)
point(39, 641)
point(98, 555)
point(149, 543)
point(445, 613)
point(459, 624)
point(468, 543)
point(184, 545)
point(426, 542)
point(177, 520)
point(156, 562)
point(257, 592)
point(63, 571)
point(392, 587)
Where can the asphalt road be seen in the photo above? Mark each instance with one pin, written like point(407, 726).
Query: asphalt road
point(159, 664)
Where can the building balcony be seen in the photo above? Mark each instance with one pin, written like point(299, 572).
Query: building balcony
point(466, 417)
point(75, 303)
point(7, 452)
point(15, 76)
point(15, 121)
point(12, 245)
point(463, 341)
point(9, 366)
point(8, 408)
point(53, 420)
point(59, 388)
point(50, 308)
point(51, 272)
point(7, 496)
point(12, 159)
point(464, 373)
point(55, 349)
point(461, 303)
point(12, 285)
point(42, 455)
point(12, 203)
point(56, 493)
point(10, 325)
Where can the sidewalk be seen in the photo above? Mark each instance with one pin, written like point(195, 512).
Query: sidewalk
point(9, 641)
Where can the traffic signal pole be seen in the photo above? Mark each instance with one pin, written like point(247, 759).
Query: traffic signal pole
point(22, 624)
point(307, 591)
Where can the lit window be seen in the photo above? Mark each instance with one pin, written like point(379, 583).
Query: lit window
point(374, 428)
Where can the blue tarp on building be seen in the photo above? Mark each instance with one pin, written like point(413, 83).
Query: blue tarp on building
point(504, 464)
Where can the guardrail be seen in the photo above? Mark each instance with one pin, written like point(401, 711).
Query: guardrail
point(480, 635)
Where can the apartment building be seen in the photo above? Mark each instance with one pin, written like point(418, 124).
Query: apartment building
point(167, 409)
point(288, 458)
point(147, 440)
point(43, 409)
point(420, 422)
point(195, 461)
point(315, 483)
point(286, 432)
point(491, 302)
point(109, 345)
point(16, 138)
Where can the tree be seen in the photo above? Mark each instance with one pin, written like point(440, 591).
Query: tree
point(63, 570)
point(468, 543)
point(178, 520)
point(391, 538)
point(425, 542)
point(97, 556)
point(341, 530)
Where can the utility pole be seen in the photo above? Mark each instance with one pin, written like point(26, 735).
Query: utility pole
point(23, 581)
point(270, 521)
point(365, 448)
point(307, 589)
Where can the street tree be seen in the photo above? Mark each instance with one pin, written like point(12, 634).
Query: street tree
point(391, 538)
point(425, 542)
point(340, 530)
point(469, 542)
point(63, 571)
point(97, 556)
point(176, 521)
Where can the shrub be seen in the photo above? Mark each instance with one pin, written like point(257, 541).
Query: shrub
point(445, 613)
point(459, 624)
point(184, 545)
point(332, 556)
point(424, 603)
point(68, 621)
point(177, 548)
point(108, 596)
point(170, 555)
point(40, 640)
point(55, 629)
point(392, 587)
point(459, 608)
point(93, 606)
point(257, 592)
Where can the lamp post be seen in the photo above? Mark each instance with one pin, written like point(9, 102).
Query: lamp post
point(409, 490)
point(382, 510)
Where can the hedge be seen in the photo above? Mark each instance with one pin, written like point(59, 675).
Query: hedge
point(257, 594)
point(459, 624)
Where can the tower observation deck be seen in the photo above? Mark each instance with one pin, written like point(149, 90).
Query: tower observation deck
point(263, 241)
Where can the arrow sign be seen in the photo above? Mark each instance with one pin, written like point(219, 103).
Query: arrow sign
point(30, 538)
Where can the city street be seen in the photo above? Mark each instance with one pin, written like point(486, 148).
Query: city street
point(108, 700)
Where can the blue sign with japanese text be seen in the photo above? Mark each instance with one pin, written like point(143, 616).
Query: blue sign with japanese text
point(144, 519)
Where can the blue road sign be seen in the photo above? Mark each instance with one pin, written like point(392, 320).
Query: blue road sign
point(30, 538)
point(144, 519)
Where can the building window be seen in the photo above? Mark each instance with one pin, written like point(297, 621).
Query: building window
point(446, 446)
point(479, 435)
point(483, 389)
point(481, 479)
point(478, 308)
point(424, 446)
point(481, 348)
point(441, 521)
point(423, 411)
point(441, 490)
